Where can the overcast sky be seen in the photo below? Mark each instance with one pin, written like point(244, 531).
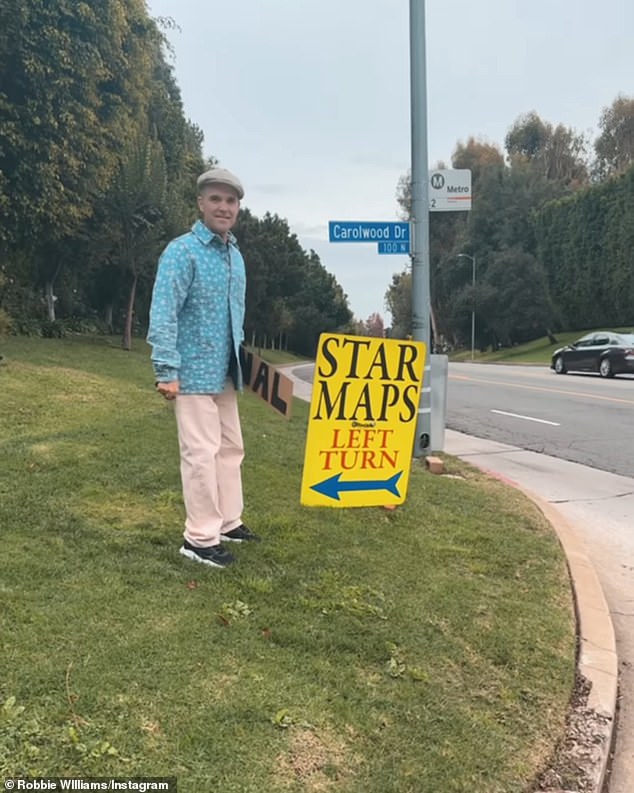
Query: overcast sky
point(308, 100)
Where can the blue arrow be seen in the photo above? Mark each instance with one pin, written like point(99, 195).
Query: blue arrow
point(332, 486)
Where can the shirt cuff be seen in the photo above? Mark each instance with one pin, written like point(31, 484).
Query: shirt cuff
point(165, 374)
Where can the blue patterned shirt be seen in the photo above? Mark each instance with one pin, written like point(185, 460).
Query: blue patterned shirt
point(197, 311)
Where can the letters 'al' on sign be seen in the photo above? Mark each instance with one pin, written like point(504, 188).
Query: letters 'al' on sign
point(267, 382)
point(363, 413)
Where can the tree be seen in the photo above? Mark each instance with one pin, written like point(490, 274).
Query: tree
point(132, 211)
point(320, 306)
point(284, 320)
point(76, 81)
point(472, 232)
point(513, 303)
point(528, 137)
point(290, 294)
point(543, 163)
point(79, 81)
point(585, 244)
point(5, 320)
point(275, 262)
point(614, 148)
point(398, 300)
point(374, 326)
point(443, 228)
point(557, 154)
point(181, 141)
point(478, 156)
point(73, 73)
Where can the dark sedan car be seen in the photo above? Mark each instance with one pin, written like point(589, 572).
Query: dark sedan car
point(605, 352)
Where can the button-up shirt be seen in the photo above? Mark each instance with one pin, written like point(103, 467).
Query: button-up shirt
point(197, 311)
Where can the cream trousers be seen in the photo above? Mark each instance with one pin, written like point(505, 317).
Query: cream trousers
point(211, 453)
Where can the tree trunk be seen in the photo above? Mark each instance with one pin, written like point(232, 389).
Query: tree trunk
point(108, 317)
point(48, 291)
point(126, 342)
point(434, 329)
point(50, 300)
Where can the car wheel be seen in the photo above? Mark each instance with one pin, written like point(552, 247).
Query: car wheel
point(560, 366)
point(605, 368)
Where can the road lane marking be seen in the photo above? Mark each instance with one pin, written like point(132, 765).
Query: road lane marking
point(526, 418)
point(540, 388)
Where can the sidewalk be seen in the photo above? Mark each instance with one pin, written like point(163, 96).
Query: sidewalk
point(592, 513)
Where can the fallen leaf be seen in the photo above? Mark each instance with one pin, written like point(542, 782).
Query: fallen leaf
point(152, 727)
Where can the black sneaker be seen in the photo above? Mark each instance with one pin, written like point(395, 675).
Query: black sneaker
point(214, 555)
point(240, 534)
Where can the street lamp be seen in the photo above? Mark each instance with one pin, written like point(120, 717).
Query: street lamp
point(473, 283)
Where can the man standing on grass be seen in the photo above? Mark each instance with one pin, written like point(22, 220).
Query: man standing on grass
point(196, 328)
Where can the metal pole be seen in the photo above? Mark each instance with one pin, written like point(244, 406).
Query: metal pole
point(420, 213)
point(473, 283)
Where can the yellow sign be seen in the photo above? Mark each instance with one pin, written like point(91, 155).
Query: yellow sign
point(363, 414)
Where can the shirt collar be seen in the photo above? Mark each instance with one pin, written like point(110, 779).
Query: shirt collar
point(207, 236)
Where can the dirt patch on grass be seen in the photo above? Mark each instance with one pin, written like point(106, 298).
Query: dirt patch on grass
point(319, 761)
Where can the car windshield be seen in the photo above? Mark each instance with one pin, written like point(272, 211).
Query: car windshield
point(584, 340)
point(605, 338)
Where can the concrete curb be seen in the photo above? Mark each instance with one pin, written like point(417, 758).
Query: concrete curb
point(597, 660)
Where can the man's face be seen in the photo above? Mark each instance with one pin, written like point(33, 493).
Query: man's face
point(219, 205)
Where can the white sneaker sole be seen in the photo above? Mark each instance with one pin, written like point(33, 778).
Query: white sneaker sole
point(196, 558)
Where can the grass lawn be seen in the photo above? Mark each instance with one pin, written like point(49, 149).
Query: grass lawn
point(538, 351)
point(428, 649)
point(277, 357)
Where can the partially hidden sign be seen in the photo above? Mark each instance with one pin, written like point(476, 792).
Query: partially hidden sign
point(363, 413)
point(267, 382)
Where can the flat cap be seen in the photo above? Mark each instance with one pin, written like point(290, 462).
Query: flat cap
point(221, 176)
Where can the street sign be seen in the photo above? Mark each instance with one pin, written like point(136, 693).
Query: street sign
point(394, 247)
point(367, 231)
point(450, 190)
point(363, 412)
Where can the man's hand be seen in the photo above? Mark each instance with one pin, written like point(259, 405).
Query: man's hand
point(168, 390)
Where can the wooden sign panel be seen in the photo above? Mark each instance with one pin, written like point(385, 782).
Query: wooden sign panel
point(267, 382)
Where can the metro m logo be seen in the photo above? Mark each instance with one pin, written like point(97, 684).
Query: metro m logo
point(437, 181)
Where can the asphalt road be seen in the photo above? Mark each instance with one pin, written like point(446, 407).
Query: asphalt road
point(582, 418)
